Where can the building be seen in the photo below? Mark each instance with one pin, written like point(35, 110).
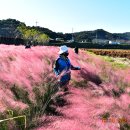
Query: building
point(114, 43)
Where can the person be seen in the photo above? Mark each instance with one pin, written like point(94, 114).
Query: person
point(76, 50)
point(62, 68)
point(28, 44)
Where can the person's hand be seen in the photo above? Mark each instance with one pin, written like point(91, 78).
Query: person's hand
point(78, 68)
point(68, 72)
point(64, 73)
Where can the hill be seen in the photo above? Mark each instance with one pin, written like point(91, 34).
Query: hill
point(100, 34)
point(10, 28)
point(124, 35)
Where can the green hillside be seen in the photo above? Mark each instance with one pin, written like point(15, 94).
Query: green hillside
point(15, 29)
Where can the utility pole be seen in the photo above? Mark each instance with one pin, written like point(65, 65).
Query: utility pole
point(36, 23)
point(72, 35)
point(96, 37)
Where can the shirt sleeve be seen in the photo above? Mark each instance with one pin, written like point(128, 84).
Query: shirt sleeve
point(74, 67)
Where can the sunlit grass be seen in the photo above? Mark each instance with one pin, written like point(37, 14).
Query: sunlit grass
point(115, 62)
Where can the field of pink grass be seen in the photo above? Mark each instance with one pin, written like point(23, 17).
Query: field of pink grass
point(98, 98)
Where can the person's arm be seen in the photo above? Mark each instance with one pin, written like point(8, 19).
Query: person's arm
point(75, 68)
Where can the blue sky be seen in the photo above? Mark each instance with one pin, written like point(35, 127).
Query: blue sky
point(63, 15)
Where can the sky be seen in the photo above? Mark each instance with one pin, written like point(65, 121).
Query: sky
point(69, 16)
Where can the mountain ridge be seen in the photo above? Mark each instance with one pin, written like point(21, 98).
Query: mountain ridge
point(9, 28)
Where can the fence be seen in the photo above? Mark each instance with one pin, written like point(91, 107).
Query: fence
point(13, 123)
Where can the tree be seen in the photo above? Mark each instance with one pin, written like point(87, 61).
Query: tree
point(33, 34)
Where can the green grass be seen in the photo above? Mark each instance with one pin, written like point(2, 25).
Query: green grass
point(119, 65)
point(114, 63)
point(12, 120)
point(90, 52)
point(111, 60)
point(108, 59)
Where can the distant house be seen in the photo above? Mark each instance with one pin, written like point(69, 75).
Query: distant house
point(70, 41)
point(52, 40)
point(100, 41)
point(60, 39)
point(114, 43)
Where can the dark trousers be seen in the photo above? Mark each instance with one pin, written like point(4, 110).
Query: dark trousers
point(63, 85)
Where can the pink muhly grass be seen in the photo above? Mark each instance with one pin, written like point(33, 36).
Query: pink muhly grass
point(86, 110)
point(27, 68)
point(125, 101)
point(24, 67)
point(9, 103)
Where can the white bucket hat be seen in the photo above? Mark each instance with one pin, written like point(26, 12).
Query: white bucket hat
point(63, 49)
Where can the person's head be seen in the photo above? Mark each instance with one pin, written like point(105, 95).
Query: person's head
point(64, 51)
